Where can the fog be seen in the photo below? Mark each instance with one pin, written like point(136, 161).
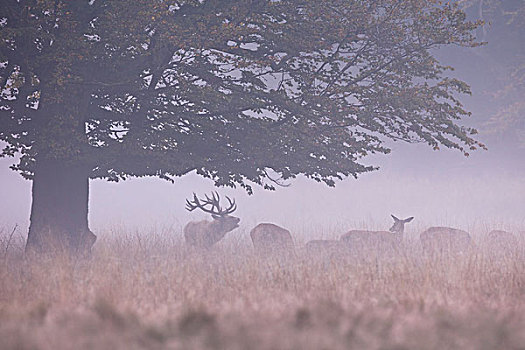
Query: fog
point(436, 187)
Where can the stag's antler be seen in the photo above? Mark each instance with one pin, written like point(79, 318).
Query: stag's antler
point(214, 202)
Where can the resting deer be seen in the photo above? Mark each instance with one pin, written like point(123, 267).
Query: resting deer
point(270, 238)
point(204, 234)
point(365, 240)
point(445, 239)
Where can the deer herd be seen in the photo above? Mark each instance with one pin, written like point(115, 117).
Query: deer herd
point(269, 238)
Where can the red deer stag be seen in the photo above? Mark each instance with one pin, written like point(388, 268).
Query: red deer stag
point(361, 240)
point(270, 238)
point(445, 240)
point(204, 234)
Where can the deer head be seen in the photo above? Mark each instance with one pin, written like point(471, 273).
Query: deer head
point(399, 225)
point(211, 205)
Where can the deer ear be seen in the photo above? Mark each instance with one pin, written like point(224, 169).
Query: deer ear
point(215, 217)
point(409, 219)
point(394, 217)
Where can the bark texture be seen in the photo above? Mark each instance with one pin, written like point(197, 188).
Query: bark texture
point(59, 211)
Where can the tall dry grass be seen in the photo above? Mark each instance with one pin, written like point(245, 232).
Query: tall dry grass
point(152, 292)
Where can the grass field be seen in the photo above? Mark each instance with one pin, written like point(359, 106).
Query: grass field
point(151, 292)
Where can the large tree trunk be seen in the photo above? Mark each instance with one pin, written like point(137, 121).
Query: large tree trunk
point(59, 212)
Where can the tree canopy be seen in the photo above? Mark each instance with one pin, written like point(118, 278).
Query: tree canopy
point(504, 59)
point(234, 90)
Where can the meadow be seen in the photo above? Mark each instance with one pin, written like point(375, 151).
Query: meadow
point(149, 291)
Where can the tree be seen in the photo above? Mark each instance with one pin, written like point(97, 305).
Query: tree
point(242, 92)
point(504, 57)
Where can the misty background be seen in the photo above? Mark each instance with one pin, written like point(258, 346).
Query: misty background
point(441, 187)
